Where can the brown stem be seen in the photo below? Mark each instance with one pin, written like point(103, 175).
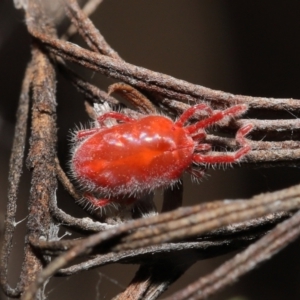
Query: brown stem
point(15, 171)
point(87, 30)
point(161, 84)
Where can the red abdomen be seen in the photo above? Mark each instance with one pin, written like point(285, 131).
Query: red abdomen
point(133, 157)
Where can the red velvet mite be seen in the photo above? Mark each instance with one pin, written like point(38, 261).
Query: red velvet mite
point(119, 163)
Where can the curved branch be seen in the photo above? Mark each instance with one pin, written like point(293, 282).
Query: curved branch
point(151, 81)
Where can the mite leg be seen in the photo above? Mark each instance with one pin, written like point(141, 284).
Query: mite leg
point(96, 202)
point(101, 202)
point(191, 112)
point(110, 115)
point(242, 132)
point(199, 136)
point(222, 158)
point(196, 172)
point(228, 157)
point(216, 117)
point(203, 147)
point(114, 115)
point(86, 132)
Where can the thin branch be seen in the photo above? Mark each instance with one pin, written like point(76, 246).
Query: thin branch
point(289, 125)
point(65, 181)
point(89, 7)
point(243, 228)
point(84, 224)
point(89, 91)
point(87, 30)
point(205, 249)
point(161, 84)
point(134, 97)
point(15, 171)
point(53, 247)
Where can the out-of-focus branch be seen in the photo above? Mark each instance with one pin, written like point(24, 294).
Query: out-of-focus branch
point(15, 171)
point(243, 262)
point(201, 250)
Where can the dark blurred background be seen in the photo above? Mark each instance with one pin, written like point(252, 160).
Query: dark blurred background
point(242, 47)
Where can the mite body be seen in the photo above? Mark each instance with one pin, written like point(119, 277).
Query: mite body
point(133, 157)
point(136, 156)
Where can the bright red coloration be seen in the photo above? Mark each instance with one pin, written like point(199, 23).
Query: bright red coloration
point(136, 156)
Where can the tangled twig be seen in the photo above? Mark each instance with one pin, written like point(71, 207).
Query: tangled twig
point(159, 241)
